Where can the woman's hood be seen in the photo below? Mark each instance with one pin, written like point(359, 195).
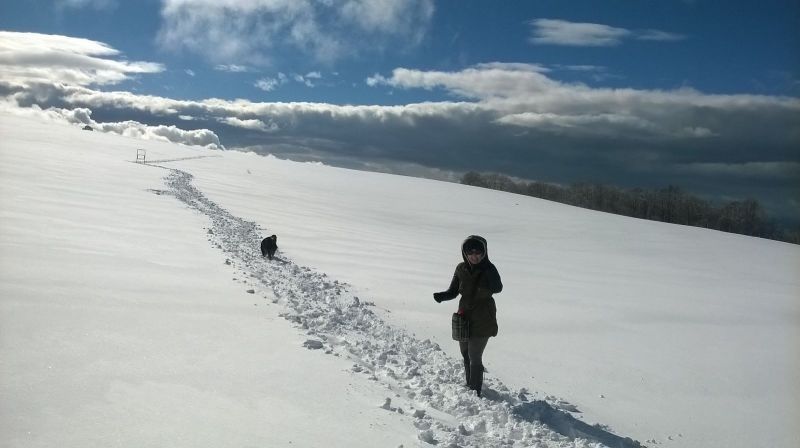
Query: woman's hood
point(479, 239)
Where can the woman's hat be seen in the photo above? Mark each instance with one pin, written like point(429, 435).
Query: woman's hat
point(473, 245)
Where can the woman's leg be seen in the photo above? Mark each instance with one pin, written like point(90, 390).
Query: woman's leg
point(464, 346)
point(473, 361)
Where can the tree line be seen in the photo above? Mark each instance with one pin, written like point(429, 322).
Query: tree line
point(670, 204)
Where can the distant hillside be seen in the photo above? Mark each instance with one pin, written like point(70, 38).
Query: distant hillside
point(671, 204)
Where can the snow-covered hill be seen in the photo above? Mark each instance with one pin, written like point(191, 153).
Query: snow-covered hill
point(135, 310)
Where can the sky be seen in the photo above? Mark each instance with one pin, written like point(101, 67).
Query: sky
point(700, 94)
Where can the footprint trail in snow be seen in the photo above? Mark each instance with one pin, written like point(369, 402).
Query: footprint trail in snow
point(423, 381)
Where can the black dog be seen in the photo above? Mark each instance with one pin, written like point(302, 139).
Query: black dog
point(269, 246)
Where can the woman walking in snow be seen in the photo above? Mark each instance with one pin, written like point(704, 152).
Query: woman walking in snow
point(476, 279)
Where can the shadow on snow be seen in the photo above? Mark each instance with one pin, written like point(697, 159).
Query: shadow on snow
point(567, 425)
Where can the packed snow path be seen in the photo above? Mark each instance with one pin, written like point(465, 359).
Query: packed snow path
point(423, 381)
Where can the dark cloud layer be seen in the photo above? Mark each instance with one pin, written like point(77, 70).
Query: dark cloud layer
point(507, 118)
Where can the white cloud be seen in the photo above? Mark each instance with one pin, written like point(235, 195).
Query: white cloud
point(529, 99)
point(400, 17)
point(480, 82)
point(30, 57)
point(251, 124)
point(562, 32)
point(270, 84)
point(515, 95)
point(376, 79)
point(308, 78)
point(254, 31)
point(232, 68)
point(267, 84)
point(513, 67)
point(190, 72)
point(573, 117)
point(511, 95)
point(198, 137)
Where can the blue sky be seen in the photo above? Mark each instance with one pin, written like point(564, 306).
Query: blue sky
point(646, 93)
point(720, 47)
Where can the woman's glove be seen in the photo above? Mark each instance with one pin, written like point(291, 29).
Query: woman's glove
point(438, 297)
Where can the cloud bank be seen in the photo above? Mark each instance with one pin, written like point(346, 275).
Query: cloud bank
point(132, 129)
point(504, 117)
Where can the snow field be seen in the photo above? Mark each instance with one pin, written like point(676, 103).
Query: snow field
point(419, 374)
point(120, 324)
point(635, 322)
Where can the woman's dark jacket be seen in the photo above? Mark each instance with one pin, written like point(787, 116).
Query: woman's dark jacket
point(476, 284)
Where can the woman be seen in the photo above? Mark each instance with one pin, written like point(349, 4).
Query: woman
point(476, 279)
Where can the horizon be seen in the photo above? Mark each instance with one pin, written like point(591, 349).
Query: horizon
point(699, 94)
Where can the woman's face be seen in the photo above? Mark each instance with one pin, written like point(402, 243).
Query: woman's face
point(474, 256)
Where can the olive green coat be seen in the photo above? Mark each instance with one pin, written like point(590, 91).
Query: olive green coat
point(476, 284)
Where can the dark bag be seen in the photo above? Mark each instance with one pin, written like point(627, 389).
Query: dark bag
point(460, 328)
